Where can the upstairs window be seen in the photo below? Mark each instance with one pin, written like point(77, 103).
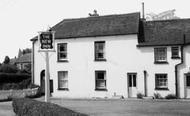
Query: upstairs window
point(160, 55)
point(62, 80)
point(62, 52)
point(100, 80)
point(175, 52)
point(100, 51)
point(161, 81)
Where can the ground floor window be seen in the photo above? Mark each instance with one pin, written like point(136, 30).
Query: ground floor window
point(161, 81)
point(63, 80)
point(100, 83)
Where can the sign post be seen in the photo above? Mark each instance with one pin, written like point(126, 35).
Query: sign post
point(46, 44)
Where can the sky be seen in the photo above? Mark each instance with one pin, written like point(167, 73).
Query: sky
point(21, 20)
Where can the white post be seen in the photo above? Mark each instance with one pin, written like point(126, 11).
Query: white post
point(47, 91)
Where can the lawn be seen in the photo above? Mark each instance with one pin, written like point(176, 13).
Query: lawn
point(103, 107)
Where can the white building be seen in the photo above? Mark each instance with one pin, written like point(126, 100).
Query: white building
point(116, 55)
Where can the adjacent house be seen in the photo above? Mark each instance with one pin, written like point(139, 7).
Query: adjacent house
point(117, 55)
point(24, 62)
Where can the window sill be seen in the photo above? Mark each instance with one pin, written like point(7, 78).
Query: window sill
point(175, 57)
point(164, 89)
point(62, 61)
point(161, 62)
point(101, 89)
point(100, 60)
point(65, 89)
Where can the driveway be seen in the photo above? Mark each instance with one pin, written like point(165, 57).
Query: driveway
point(117, 107)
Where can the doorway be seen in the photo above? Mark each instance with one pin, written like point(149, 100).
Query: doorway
point(42, 82)
point(187, 85)
point(132, 84)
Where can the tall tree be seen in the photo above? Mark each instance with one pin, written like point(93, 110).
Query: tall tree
point(6, 60)
point(19, 53)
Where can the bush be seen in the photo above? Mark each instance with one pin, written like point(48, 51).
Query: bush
point(171, 96)
point(28, 107)
point(13, 77)
point(157, 96)
point(31, 86)
point(15, 86)
point(25, 83)
point(140, 95)
point(39, 92)
point(8, 68)
point(9, 86)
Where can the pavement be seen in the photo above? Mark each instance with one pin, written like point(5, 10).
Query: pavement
point(6, 109)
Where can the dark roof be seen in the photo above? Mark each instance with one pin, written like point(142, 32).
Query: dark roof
point(26, 58)
point(165, 32)
point(97, 26)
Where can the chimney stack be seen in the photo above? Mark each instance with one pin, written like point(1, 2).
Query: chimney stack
point(143, 10)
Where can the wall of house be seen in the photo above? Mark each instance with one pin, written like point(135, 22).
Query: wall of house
point(183, 70)
point(122, 57)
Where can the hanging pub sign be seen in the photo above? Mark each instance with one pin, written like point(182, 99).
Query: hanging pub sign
point(46, 41)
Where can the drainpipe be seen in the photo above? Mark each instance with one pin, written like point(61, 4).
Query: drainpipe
point(145, 83)
point(176, 67)
point(32, 58)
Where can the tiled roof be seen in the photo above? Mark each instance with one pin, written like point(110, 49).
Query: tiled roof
point(165, 32)
point(97, 26)
point(26, 58)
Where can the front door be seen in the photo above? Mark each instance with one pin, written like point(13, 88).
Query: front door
point(42, 81)
point(187, 86)
point(132, 84)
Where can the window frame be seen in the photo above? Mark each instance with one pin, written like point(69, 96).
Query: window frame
point(96, 80)
point(161, 84)
point(64, 52)
point(175, 56)
point(158, 55)
point(99, 51)
point(65, 79)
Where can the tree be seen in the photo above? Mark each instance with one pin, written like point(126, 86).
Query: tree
point(27, 50)
point(19, 53)
point(6, 60)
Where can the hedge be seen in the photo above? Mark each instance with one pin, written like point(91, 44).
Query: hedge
point(13, 77)
point(15, 86)
point(29, 107)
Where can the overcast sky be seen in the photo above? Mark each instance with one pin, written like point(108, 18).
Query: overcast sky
point(20, 20)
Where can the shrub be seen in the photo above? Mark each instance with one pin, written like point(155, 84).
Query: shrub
point(25, 83)
point(38, 94)
point(31, 86)
point(157, 96)
point(15, 86)
point(140, 95)
point(13, 77)
point(8, 68)
point(171, 96)
point(9, 86)
point(28, 107)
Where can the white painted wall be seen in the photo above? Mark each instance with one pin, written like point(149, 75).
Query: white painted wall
point(122, 57)
point(183, 69)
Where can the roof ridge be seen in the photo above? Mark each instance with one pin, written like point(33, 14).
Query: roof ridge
point(94, 17)
point(169, 20)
